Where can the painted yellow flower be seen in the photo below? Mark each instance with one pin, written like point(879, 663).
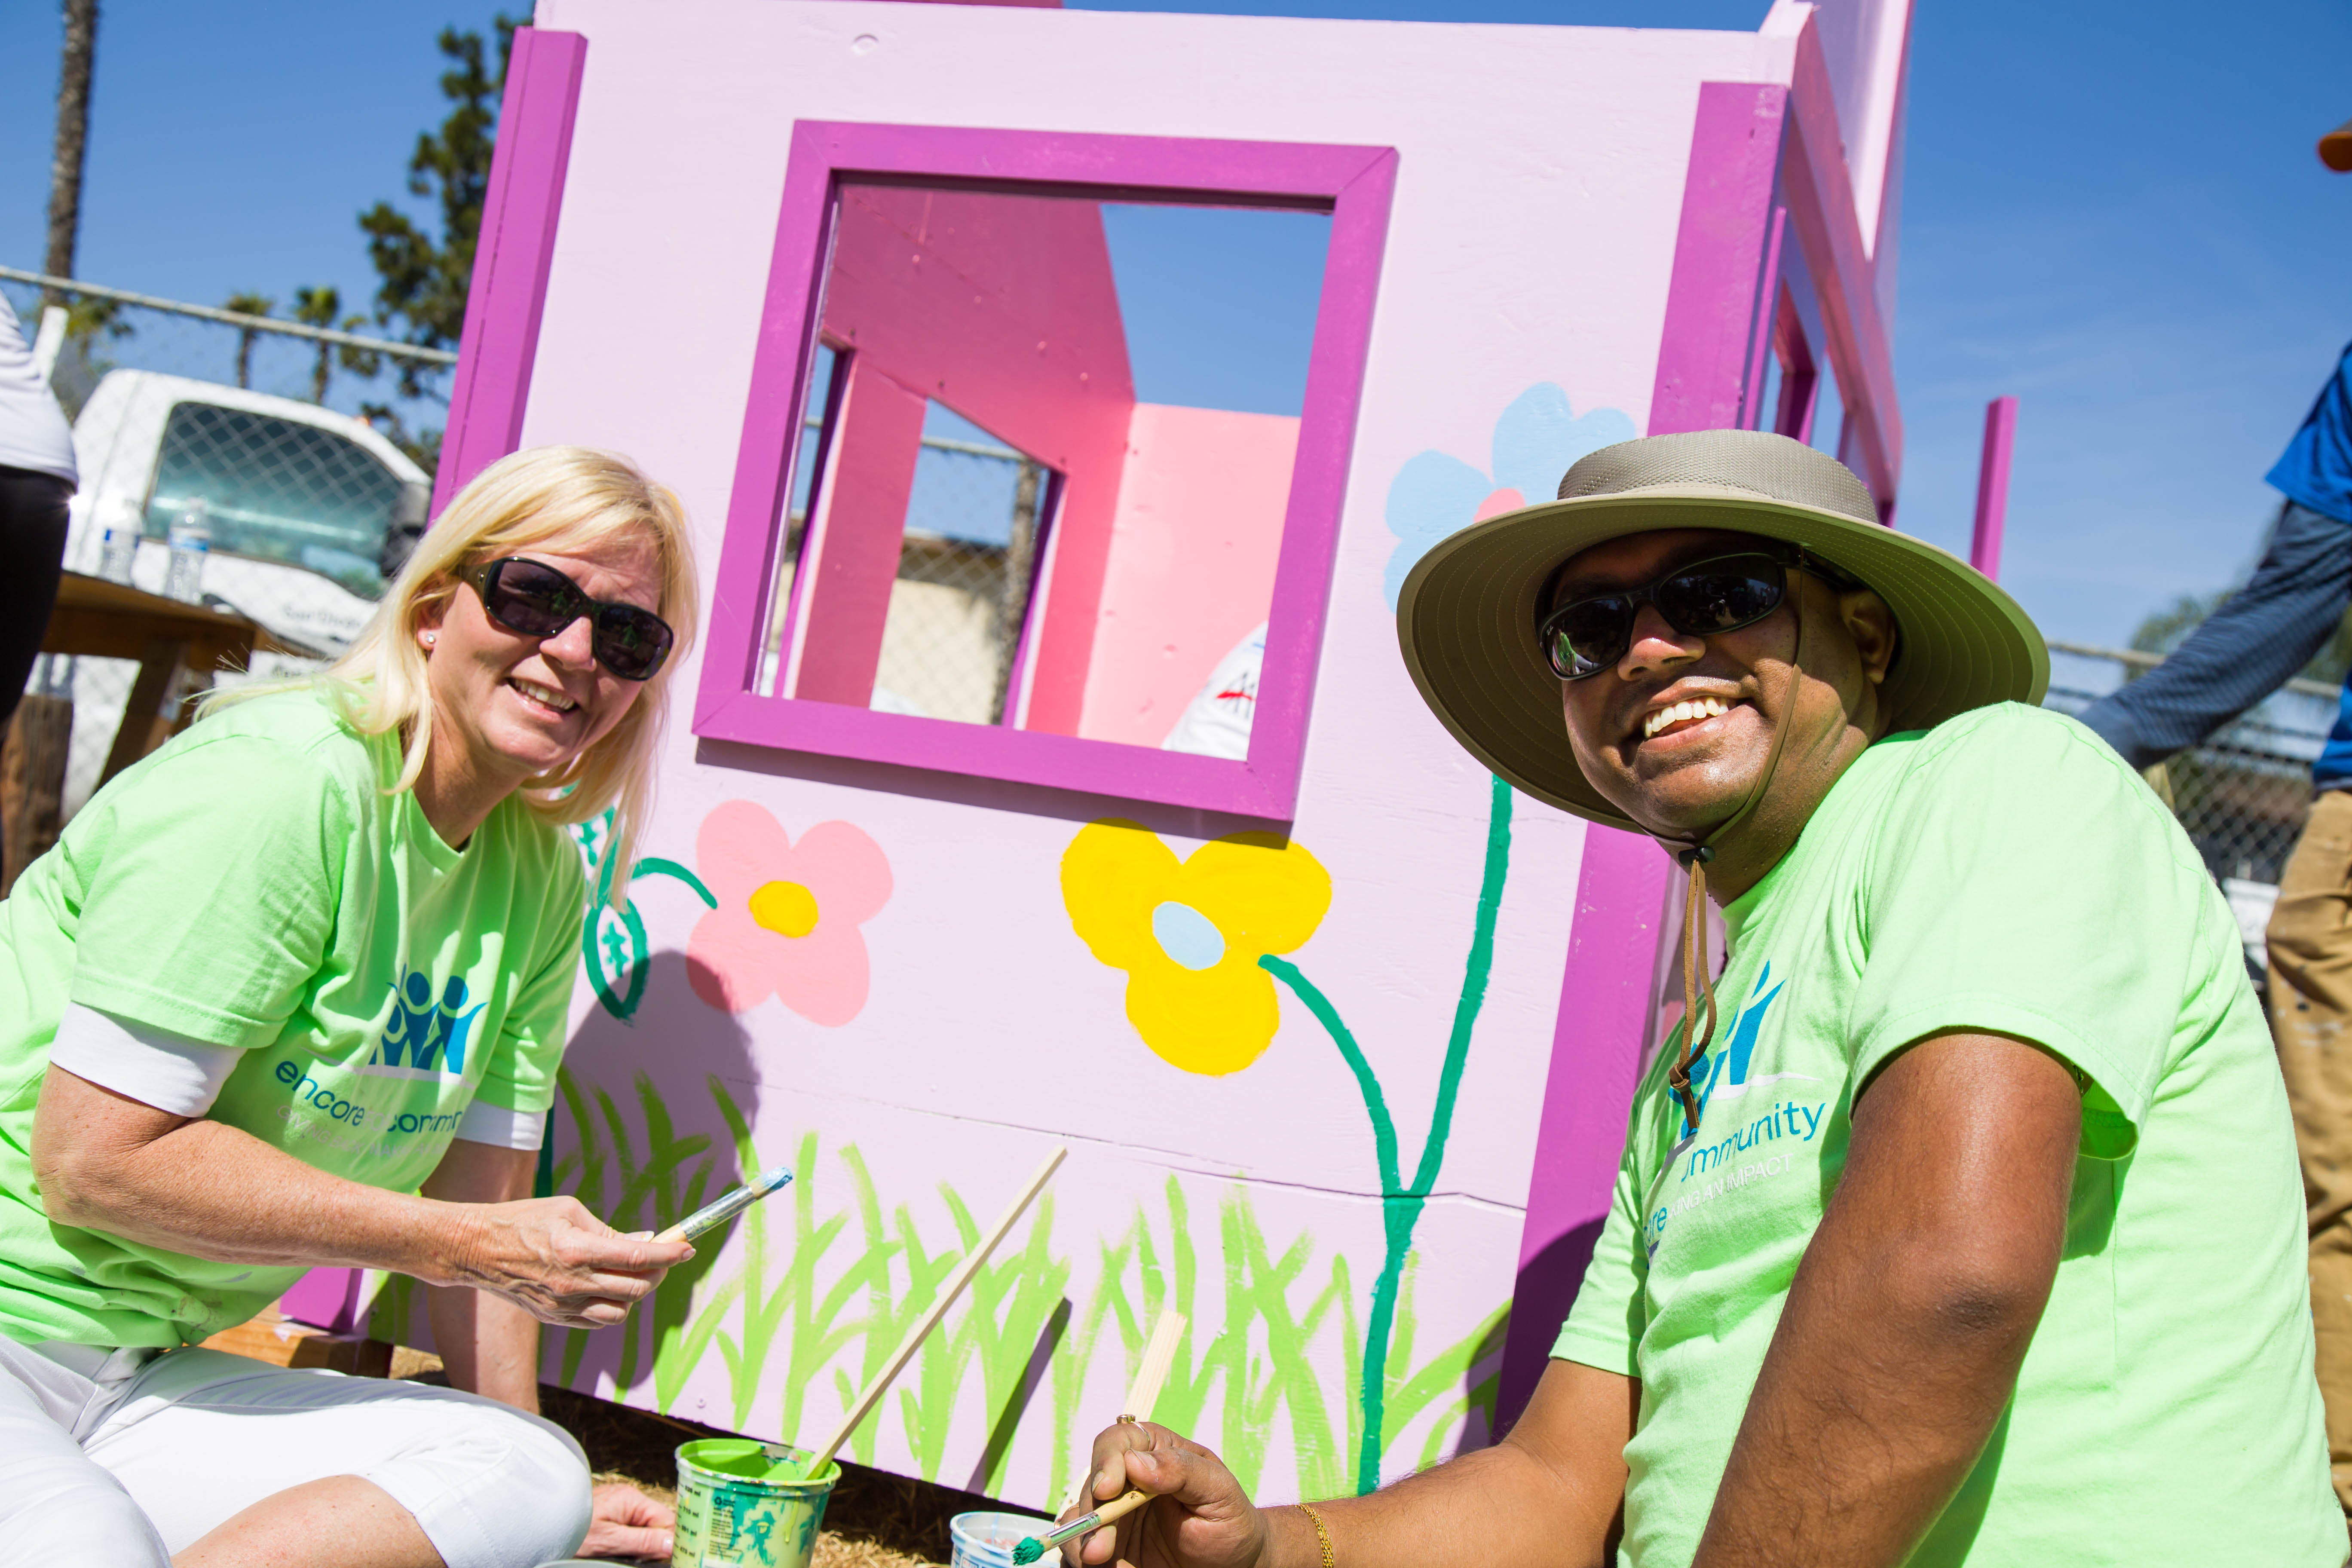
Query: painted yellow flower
point(1190, 933)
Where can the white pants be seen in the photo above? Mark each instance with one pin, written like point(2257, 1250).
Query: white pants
point(124, 1457)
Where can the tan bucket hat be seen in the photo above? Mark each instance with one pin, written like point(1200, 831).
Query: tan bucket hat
point(1466, 616)
point(2336, 149)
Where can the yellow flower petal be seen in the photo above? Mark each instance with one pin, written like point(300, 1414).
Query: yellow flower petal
point(785, 908)
point(1212, 1021)
point(1266, 895)
point(1113, 875)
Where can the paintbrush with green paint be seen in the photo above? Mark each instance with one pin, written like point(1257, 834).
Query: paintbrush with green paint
point(1033, 1547)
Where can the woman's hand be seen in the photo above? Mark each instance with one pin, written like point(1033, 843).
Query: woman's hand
point(1198, 1517)
point(628, 1523)
point(556, 1261)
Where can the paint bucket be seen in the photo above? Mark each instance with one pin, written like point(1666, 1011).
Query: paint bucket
point(741, 1504)
point(987, 1539)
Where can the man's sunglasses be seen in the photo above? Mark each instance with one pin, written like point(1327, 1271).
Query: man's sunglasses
point(1700, 598)
point(538, 601)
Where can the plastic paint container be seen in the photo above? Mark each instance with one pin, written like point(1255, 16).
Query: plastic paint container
point(742, 1506)
point(987, 1539)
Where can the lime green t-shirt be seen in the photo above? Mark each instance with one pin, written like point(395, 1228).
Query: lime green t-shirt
point(251, 885)
point(2004, 872)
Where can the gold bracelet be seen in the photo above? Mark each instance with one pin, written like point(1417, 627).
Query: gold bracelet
point(1322, 1536)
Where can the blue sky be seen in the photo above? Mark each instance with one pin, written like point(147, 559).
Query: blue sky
point(2111, 210)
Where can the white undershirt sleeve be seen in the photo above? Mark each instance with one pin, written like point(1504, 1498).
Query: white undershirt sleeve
point(152, 1065)
point(501, 1128)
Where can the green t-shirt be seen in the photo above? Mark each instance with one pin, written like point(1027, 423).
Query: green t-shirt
point(2004, 872)
point(251, 885)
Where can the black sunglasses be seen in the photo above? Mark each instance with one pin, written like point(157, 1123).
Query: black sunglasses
point(538, 601)
point(1699, 598)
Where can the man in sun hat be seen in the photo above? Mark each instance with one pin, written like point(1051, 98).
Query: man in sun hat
point(1967, 1229)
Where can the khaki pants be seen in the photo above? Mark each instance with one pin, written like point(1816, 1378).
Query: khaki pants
point(2310, 940)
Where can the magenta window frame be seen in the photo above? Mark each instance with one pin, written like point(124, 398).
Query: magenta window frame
point(1355, 184)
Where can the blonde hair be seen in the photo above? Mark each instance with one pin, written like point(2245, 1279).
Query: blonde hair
point(563, 500)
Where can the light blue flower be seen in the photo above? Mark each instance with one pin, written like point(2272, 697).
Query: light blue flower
point(1536, 439)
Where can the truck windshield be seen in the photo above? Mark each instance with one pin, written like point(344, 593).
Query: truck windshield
point(277, 489)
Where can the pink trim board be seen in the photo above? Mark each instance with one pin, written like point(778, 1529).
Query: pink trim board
point(492, 383)
point(1992, 485)
point(1356, 184)
point(488, 394)
point(1724, 293)
point(1823, 213)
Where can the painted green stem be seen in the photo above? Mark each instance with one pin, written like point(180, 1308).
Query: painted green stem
point(1402, 1205)
point(655, 865)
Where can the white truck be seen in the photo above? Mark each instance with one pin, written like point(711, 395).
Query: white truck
point(310, 510)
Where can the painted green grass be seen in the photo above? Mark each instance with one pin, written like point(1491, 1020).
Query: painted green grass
point(823, 1284)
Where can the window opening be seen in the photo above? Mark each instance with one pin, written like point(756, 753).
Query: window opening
point(994, 367)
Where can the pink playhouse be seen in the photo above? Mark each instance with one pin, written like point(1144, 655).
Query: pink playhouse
point(1046, 770)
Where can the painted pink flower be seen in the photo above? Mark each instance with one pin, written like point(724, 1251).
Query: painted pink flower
point(787, 915)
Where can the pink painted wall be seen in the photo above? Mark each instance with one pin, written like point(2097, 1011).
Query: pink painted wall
point(1004, 308)
point(1190, 570)
point(683, 205)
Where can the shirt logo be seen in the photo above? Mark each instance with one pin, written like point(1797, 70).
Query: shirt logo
point(1724, 1069)
point(424, 1039)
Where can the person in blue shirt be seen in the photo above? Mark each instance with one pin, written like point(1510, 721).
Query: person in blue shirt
point(2268, 629)
point(2260, 638)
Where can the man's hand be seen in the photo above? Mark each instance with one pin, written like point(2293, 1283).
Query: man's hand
point(627, 1523)
point(1562, 1467)
point(1198, 1517)
point(1906, 1322)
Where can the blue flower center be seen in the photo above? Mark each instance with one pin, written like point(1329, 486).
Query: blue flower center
point(1187, 936)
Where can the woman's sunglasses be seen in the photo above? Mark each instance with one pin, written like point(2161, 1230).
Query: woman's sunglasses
point(538, 601)
point(1702, 598)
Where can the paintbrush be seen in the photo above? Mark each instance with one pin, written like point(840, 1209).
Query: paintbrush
point(1033, 1547)
point(714, 1214)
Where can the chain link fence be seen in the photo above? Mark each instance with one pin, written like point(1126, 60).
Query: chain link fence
point(306, 525)
point(2242, 796)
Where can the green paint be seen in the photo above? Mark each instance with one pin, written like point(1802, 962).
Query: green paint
point(740, 1504)
point(654, 865)
point(613, 942)
point(1401, 1204)
point(619, 951)
point(1283, 1306)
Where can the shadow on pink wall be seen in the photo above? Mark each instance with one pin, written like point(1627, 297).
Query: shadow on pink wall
point(1004, 308)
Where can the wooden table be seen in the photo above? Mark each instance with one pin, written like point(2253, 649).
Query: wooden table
point(98, 619)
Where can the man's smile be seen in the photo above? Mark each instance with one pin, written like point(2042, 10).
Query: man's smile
point(1676, 717)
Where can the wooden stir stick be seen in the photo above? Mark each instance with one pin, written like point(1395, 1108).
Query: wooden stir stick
point(1143, 1392)
point(921, 1331)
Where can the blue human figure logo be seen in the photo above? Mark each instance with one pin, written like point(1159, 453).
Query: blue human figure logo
point(423, 1034)
point(1725, 1067)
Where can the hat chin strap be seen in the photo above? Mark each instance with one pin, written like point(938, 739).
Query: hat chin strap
point(1694, 854)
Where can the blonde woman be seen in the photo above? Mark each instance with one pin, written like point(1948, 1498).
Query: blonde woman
point(293, 992)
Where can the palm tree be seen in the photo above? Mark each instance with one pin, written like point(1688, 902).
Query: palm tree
point(246, 304)
point(317, 306)
point(73, 137)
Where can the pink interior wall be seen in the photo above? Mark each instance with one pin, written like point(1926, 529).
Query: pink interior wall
point(878, 436)
point(1004, 308)
point(1193, 549)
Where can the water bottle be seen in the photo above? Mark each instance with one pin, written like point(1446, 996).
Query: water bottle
point(121, 544)
point(192, 540)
